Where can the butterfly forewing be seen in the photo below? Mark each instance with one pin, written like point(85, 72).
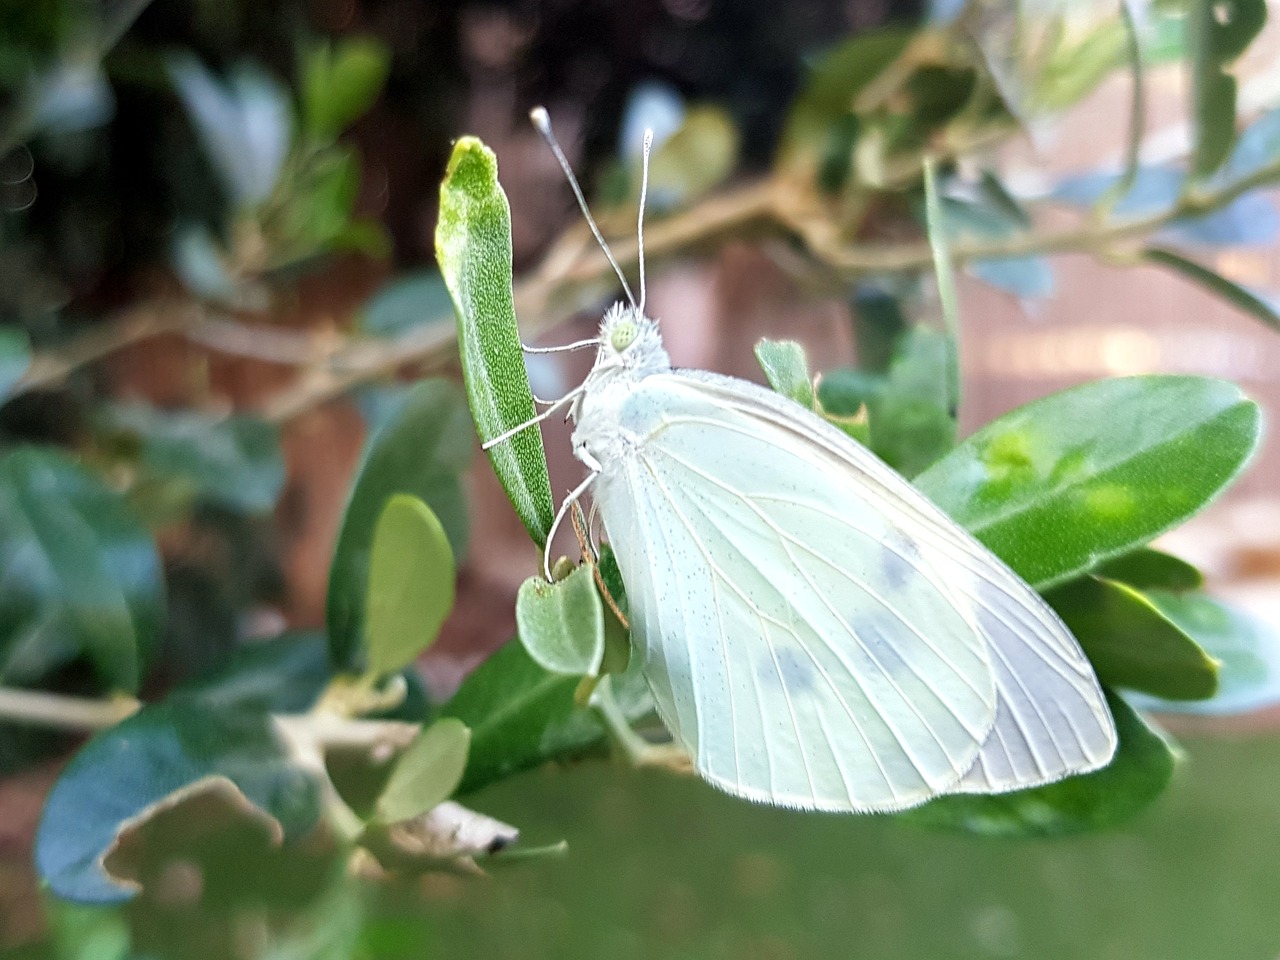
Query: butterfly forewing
point(1052, 719)
point(800, 641)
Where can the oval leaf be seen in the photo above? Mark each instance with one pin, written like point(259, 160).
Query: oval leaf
point(421, 450)
point(340, 83)
point(128, 773)
point(411, 583)
point(473, 248)
point(1140, 772)
point(787, 370)
point(562, 624)
point(1068, 481)
point(427, 772)
point(1149, 569)
point(521, 715)
point(81, 574)
point(1247, 650)
point(1131, 643)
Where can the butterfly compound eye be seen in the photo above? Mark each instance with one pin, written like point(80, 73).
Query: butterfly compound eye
point(622, 335)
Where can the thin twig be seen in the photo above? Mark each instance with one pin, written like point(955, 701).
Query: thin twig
point(63, 712)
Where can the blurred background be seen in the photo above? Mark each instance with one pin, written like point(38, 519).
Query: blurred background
point(225, 210)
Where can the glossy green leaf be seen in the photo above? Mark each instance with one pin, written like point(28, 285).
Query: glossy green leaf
point(426, 773)
point(125, 774)
point(340, 82)
point(787, 370)
point(1138, 774)
point(413, 300)
point(1219, 32)
point(421, 450)
point(1064, 483)
point(411, 584)
point(561, 624)
point(1240, 297)
point(282, 675)
point(15, 357)
point(1246, 648)
point(81, 574)
point(1131, 643)
point(473, 248)
point(617, 635)
point(232, 461)
point(1149, 569)
point(521, 715)
point(912, 414)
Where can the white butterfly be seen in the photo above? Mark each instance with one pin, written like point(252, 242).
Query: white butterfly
point(815, 632)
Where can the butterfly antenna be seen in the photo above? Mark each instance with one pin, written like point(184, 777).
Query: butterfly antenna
point(542, 122)
point(644, 194)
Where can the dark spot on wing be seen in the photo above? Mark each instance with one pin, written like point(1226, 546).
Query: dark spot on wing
point(899, 559)
point(793, 670)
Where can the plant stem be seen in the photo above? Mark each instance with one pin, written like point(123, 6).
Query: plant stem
point(40, 709)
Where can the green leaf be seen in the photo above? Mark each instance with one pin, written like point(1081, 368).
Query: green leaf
point(521, 715)
point(232, 461)
point(617, 636)
point(412, 300)
point(1240, 297)
point(473, 248)
point(1149, 569)
point(339, 83)
point(421, 450)
point(936, 225)
point(787, 370)
point(81, 574)
point(1220, 31)
point(128, 773)
point(1139, 773)
point(880, 325)
point(1131, 643)
point(697, 157)
point(285, 674)
point(1246, 648)
point(829, 93)
point(561, 624)
point(912, 413)
point(411, 583)
point(1064, 483)
point(426, 773)
point(15, 357)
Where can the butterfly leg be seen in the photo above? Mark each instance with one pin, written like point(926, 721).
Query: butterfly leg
point(567, 399)
point(563, 348)
point(565, 507)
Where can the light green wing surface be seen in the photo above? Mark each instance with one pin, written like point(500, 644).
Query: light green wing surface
point(797, 641)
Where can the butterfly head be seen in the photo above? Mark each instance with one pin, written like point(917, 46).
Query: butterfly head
point(630, 340)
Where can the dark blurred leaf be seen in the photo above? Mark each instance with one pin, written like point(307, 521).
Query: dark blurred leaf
point(1257, 148)
point(879, 324)
point(232, 461)
point(282, 675)
point(561, 624)
point(1149, 569)
point(340, 82)
point(1235, 294)
point(1247, 650)
point(938, 228)
point(787, 370)
point(426, 773)
point(81, 574)
point(15, 357)
point(473, 248)
point(126, 774)
point(1030, 278)
point(913, 414)
point(244, 124)
point(938, 93)
point(844, 391)
point(1140, 772)
point(408, 301)
point(422, 450)
point(200, 263)
point(82, 932)
point(1219, 31)
point(411, 584)
point(521, 715)
point(617, 635)
point(1061, 484)
point(1131, 643)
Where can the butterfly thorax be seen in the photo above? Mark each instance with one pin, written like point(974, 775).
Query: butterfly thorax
point(630, 350)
